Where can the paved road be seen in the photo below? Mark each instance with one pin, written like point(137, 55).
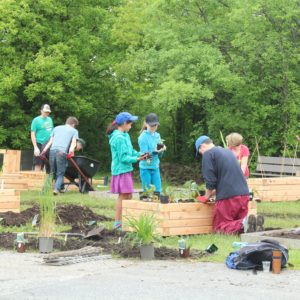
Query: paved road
point(23, 276)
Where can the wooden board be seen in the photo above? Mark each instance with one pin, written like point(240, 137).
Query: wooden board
point(11, 161)
point(276, 189)
point(9, 200)
point(175, 218)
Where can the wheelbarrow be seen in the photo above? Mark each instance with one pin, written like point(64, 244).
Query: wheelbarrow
point(83, 169)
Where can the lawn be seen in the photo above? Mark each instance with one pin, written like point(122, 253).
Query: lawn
point(281, 214)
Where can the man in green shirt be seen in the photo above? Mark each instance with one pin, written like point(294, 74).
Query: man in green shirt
point(41, 129)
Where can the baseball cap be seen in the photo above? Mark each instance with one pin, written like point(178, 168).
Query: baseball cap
point(82, 141)
point(46, 108)
point(123, 117)
point(201, 139)
point(152, 119)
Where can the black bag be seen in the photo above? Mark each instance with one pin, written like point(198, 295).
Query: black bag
point(251, 256)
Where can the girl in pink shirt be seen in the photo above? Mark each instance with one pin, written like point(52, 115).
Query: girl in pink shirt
point(241, 152)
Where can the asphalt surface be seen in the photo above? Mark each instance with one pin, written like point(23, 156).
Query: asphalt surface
point(24, 276)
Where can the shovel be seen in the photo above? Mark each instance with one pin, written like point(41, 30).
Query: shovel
point(96, 232)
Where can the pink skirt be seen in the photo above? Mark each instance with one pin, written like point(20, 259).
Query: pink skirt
point(122, 183)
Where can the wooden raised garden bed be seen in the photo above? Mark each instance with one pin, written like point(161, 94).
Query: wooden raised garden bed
point(276, 189)
point(175, 218)
point(9, 200)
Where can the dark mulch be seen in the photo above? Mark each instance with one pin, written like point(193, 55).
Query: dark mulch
point(67, 214)
point(112, 242)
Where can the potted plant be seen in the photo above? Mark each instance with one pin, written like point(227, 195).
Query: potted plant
point(20, 242)
point(47, 217)
point(184, 247)
point(149, 194)
point(144, 234)
point(160, 144)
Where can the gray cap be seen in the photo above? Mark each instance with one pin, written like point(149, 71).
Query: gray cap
point(152, 119)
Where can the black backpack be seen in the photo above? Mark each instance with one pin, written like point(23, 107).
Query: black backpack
point(251, 256)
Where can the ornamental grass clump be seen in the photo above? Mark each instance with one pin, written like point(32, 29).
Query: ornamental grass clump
point(144, 229)
point(47, 210)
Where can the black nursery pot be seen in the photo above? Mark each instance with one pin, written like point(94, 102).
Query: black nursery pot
point(142, 196)
point(164, 199)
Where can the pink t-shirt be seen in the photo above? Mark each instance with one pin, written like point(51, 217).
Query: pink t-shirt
point(244, 152)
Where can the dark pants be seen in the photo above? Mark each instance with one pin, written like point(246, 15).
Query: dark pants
point(38, 161)
point(229, 214)
point(58, 166)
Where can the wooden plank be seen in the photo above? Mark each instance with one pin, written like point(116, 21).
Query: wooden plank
point(16, 210)
point(16, 186)
point(186, 207)
point(273, 181)
point(186, 222)
point(187, 230)
point(11, 161)
point(9, 198)
point(141, 205)
point(278, 187)
point(278, 160)
point(9, 192)
point(8, 205)
point(281, 169)
point(188, 215)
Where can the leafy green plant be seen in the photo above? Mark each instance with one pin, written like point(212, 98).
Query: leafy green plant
point(149, 193)
point(144, 229)
point(47, 210)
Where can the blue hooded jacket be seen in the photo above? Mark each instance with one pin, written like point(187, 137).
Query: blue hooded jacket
point(148, 142)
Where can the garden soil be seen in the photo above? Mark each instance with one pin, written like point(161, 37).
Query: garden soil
point(111, 241)
point(66, 214)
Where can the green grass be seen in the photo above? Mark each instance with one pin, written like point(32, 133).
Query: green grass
point(279, 214)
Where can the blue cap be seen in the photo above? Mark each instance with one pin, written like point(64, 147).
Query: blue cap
point(201, 139)
point(123, 117)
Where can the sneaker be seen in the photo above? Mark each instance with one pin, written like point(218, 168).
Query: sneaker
point(249, 224)
point(117, 226)
point(260, 220)
point(55, 192)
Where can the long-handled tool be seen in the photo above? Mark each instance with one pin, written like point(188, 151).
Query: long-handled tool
point(81, 173)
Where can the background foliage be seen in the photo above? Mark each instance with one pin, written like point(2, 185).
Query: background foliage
point(202, 66)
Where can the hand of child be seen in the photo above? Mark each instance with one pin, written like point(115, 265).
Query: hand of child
point(142, 157)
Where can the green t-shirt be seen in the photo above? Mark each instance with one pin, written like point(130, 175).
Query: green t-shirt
point(43, 128)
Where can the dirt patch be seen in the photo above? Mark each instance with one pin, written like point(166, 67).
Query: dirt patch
point(110, 241)
point(66, 214)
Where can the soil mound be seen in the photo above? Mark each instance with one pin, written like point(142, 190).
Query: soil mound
point(67, 214)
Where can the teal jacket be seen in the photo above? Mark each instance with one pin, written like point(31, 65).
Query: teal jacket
point(122, 152)
point(148, 142)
